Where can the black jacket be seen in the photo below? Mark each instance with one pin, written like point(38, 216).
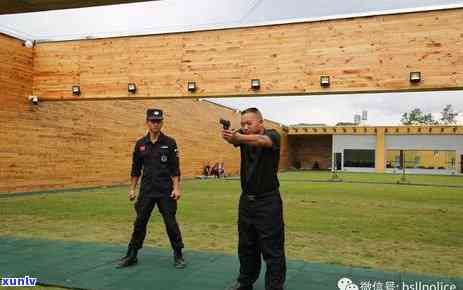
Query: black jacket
point(159, 163)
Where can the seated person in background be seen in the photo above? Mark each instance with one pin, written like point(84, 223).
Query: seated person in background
point(215, 170)
point(207, 170)
point(221, 170)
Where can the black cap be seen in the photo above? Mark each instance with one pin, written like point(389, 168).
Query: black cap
point(154, 114)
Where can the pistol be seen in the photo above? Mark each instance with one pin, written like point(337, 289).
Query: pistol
point(225, 123)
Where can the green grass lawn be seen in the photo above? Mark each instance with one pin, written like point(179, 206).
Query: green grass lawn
point(418, 179)
point(385, 226)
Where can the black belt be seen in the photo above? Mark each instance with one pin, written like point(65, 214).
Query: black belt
point(256, 196)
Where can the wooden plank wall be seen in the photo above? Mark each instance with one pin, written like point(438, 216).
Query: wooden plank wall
point(15, 86)
point(84, 144)
point(366, 54)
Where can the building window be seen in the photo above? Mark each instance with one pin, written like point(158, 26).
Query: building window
point(359, 158)
point(422, 159)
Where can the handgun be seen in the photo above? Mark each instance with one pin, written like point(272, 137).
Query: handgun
point(225, 123)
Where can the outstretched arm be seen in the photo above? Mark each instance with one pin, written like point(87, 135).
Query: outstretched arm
point(236, 138)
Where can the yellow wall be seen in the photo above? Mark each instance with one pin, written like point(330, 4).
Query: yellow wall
point(379, 152)
point(428, 158)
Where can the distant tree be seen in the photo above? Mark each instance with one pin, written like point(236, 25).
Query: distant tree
point(417, 117)
point(429, 119)
point(448, 115)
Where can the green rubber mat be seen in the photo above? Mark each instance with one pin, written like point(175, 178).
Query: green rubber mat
point(92, 266)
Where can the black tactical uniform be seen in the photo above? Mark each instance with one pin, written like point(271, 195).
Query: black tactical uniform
point(260, 220)
point(159, 162)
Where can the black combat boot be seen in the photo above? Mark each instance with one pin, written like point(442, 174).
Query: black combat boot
point(179, 262)
point(129, 259)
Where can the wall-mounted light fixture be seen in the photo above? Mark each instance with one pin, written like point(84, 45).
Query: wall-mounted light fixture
point(29, 43)
point(76, 90)
point(191, 86)
point(255, 84)
point(415, 77)
point(325, 81)
point(34, 100)
point(132, 88)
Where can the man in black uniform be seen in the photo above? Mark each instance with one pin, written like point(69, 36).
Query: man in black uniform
point(156, 154)
point(260, 216)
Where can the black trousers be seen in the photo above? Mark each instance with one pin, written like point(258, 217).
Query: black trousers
point(261, 232)
point(168, 208)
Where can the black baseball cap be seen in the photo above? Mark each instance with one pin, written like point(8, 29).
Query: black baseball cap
point(154, 114)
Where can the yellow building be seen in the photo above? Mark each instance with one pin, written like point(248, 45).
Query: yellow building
point(421, 149)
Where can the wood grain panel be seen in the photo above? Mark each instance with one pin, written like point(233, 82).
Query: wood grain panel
point(84, 144)
point(369, 54)
point(56, 69)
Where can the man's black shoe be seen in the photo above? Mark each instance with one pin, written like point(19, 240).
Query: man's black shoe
point(129, 259)
point(238, 286)
point(179, 262)
point(129, 251)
